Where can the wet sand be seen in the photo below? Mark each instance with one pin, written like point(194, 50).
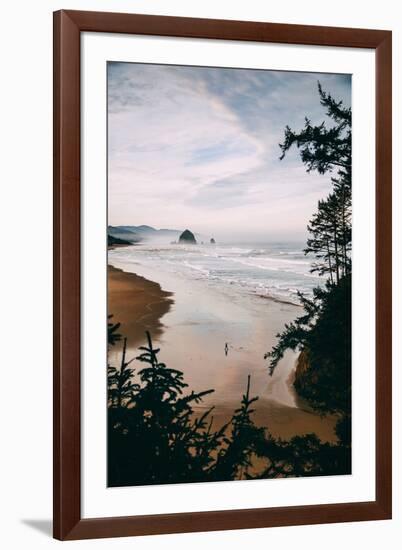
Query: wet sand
point(137, 304)
point(192, 322)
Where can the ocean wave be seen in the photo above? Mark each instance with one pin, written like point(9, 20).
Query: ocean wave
point(273, 271)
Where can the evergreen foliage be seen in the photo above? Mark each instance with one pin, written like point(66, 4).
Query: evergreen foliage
point(156, 437)
point(112, 335)
point(324, 147)
point(323, 332)
point(234, 459)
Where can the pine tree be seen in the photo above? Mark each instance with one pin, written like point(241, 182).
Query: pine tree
point(121, 389)
point(323, 332)
point(154, 436)
point(112, 335)
point(330, 236)
point(235, 458)
point(326, 149)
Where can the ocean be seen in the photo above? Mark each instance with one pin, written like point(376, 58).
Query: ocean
point(272, 270)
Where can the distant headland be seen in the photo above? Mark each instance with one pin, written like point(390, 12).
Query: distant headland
point(124, 235)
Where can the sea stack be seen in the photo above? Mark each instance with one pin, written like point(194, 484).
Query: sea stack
point(212, 241)
point(187, 237)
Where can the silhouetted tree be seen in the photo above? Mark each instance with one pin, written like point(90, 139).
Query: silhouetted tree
point(121, 389)
point(324, 149)
point(157, 439)
point(330, 236)
point(154, 435)
point(323, 333)
point(112, 335)
point(235, 458)
point(301, 456)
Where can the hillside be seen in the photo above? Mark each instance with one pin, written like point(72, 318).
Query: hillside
point(114, 241)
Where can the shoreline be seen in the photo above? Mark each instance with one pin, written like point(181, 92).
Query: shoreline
point(278, 300)
point(137, 304)
point(191, 324)
point(268, 297)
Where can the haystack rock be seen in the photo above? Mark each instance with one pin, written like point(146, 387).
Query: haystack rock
point(187, 237)
point(212, 241)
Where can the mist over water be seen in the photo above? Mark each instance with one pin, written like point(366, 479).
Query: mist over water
point(276, 270)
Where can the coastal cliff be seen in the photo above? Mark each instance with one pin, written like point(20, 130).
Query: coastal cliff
point(302, 378)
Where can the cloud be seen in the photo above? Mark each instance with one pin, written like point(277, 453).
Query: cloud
point(197, 145)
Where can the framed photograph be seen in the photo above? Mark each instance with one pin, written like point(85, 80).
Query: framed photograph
point(216, 364)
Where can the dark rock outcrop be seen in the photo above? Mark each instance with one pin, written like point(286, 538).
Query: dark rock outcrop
point(187, 237)
point(212, 241)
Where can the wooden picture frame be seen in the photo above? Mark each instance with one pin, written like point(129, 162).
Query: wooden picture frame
point(68, 25)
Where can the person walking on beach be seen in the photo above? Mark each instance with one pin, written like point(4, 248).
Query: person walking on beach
point(226, 349)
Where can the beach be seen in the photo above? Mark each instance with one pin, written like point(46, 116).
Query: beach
point(216, 337)
point(137, 304)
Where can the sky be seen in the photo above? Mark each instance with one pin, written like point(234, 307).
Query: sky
point(198, 148)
